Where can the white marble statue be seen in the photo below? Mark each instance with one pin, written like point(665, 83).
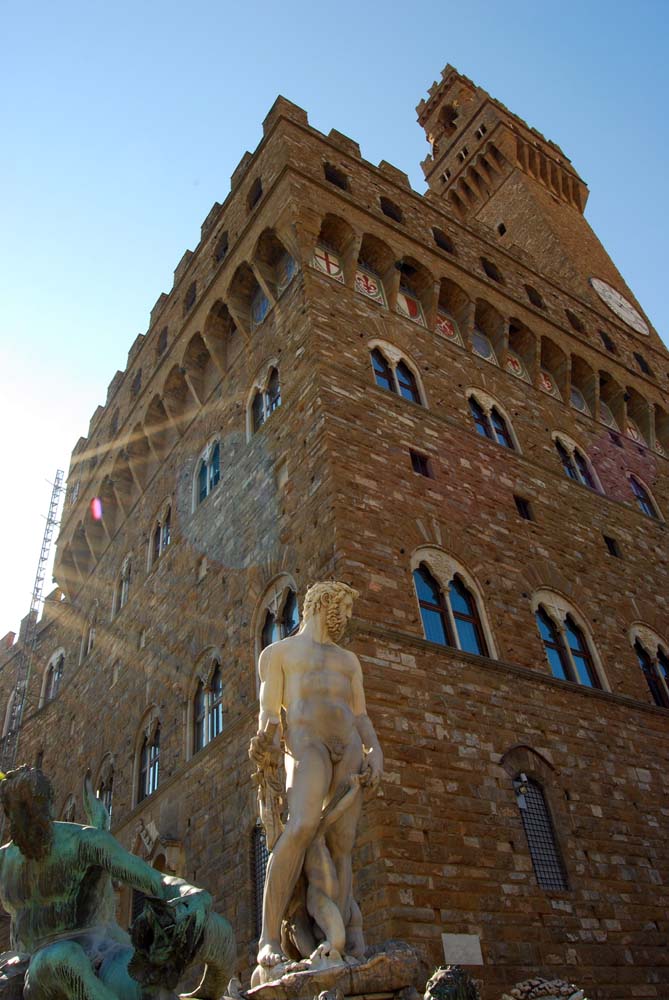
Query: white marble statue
point(331, 753)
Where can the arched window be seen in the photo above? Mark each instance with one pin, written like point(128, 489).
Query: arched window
point(149, 764)
point(652, 655)
point(266, 400)
point(574, 463)
point(123, 585)
point(105, 789)
point(541, 841)
point(489, 420)
point(643, 499)
point(207, 706)
point(393, 373)
point(569, 652)
point(259, 859)
point(280, 619)
point(53, 677)
point(161, 535)
point(653, 678)
point(450, 615)
point(208, 472)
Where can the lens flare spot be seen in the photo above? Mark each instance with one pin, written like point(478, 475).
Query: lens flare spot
point(96, 509)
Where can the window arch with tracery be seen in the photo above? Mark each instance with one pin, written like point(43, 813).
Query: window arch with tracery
point(395, 373)
point(652, 655)
point(161, 534)
point(451, 610)
point(207, 705)
point(644, 501)
point(570, 652)
point(490, 421)
point(265, 399)
point(148, 769)
point(207, 473)
point(53, 676)
point(122, 591)
point(105, 784)
point(575, 464)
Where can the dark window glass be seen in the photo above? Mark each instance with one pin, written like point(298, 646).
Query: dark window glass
point(555, 653)
point(202, 482)
point(534, 297)
point(221, 247)
point(501, 430)
point(406, 381)
point(270, 630)
point(574, 321)
point(216, 703)
point(259, 859)
point(154, 763)
point(584, 473)
point(663, 663)
point(642, 363)
point(612, 546)
point(481, 421)
point(156, 542)
point(607, 342)
point(54, 678)
point(654, 683)
point(642, 498)
point(143, 770)
point(162, 341)
point(420, 463)
point(255, 194)
point(432, 607)
point(443, 241)
point(390, 209)
point(136, 382)
point(546, 860)
point(105, 792)
point(382, 371)
point(580, 654)
point(189, 298)
point(215, 467)
point(273, 391)
point(524, 508)
point(199, 718)
point(335, 176)
point(467, 622)
point(492, 270)
point(258, 410)
point(290, 620)
point(566, 459)
point(167, 528)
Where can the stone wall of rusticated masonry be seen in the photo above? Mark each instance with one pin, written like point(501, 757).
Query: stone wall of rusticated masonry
point(326, 488)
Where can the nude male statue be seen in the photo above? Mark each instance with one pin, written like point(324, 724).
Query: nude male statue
point(55, 883)
point(331, 749)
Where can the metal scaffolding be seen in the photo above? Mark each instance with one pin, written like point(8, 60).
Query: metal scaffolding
point(10, 742)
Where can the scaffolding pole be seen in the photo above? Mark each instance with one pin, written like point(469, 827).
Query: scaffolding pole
point(10, 742)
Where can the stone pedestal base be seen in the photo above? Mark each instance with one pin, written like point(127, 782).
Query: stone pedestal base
point(395, 970)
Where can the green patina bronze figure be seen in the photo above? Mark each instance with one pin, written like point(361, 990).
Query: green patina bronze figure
point(56, 885)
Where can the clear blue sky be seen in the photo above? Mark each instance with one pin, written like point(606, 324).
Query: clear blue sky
point(122, 123)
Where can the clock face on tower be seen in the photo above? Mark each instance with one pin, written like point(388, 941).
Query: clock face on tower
point(618, 304)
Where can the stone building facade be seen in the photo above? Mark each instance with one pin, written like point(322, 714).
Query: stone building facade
point(453, 402)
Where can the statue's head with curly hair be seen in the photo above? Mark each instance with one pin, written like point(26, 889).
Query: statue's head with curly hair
point(335, 599)
point(27, 800)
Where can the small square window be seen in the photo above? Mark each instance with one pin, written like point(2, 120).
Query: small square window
point(607, 342)
point(336, 176)
point(524, 508)
point(254, 195)
point(501, 229)
point(390, 209)
point(442, 240)
point(643, 364)
point(221, 248)
point(612, 546)
point(162, 341)
point(420, 463)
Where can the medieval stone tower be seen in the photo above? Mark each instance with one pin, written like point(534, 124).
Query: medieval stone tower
point(453, 402)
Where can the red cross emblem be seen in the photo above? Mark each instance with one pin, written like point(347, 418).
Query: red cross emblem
point(327, 262)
